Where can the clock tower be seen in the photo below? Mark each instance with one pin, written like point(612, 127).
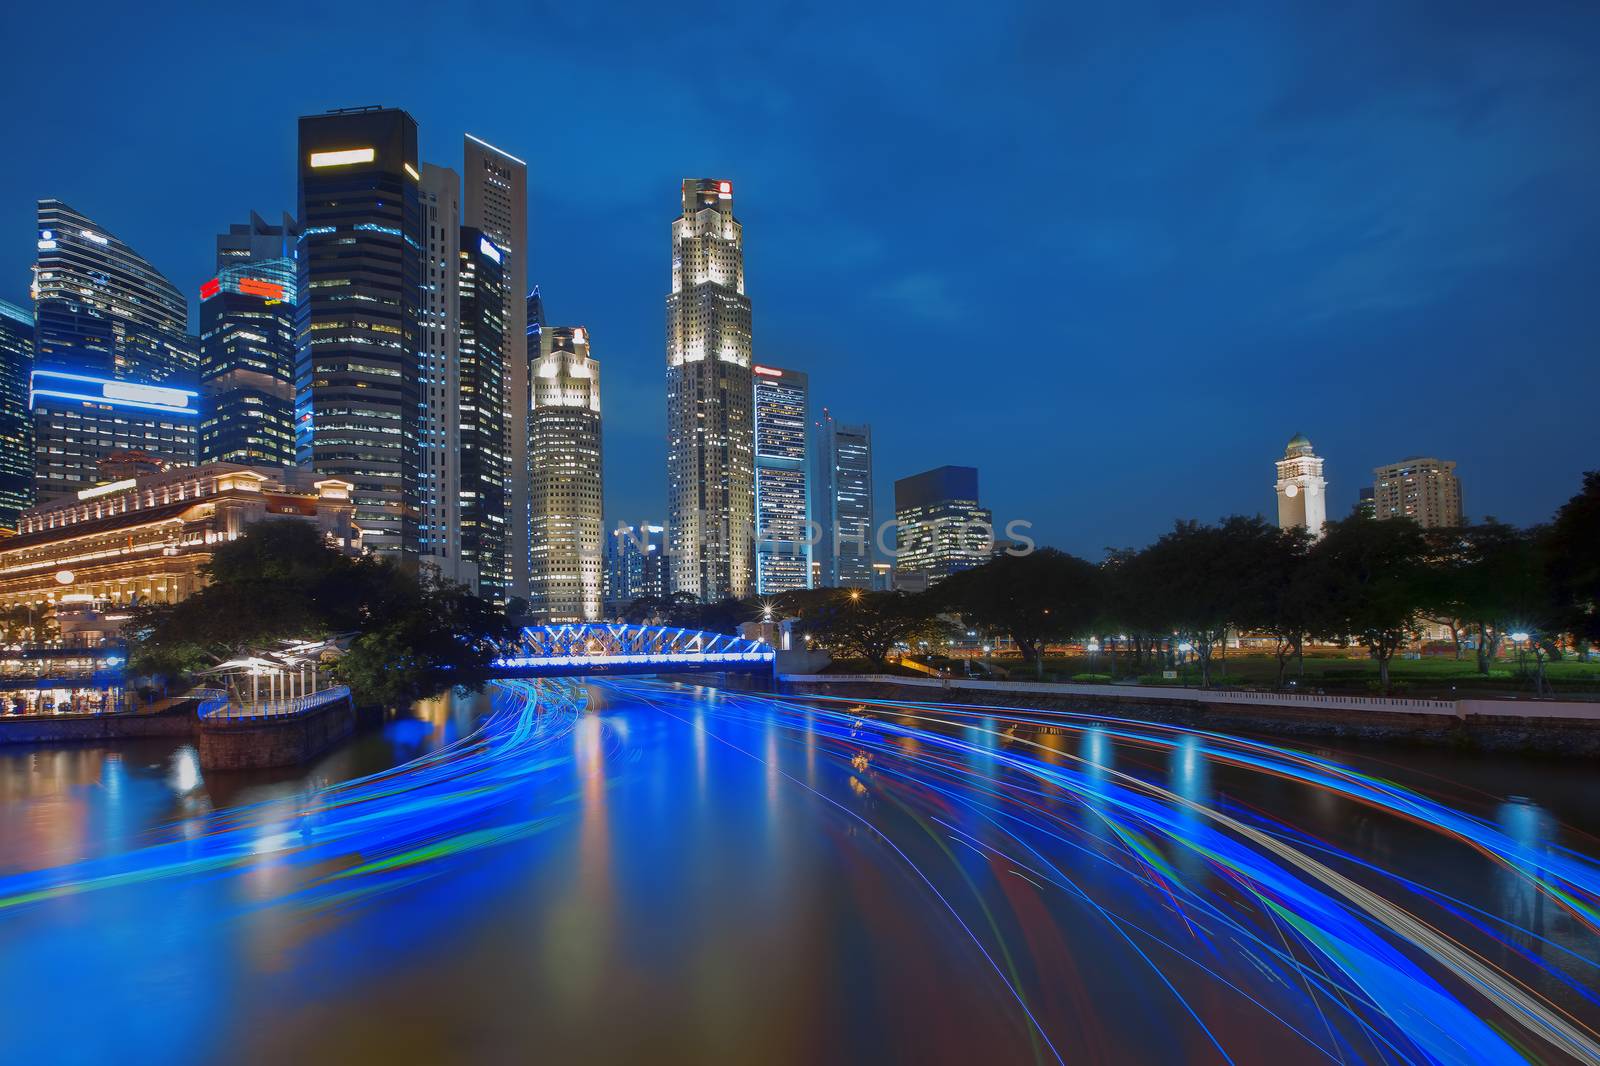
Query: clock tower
point(1302, 490)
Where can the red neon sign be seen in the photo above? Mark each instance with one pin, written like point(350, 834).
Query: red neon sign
point(210, 288)
point(257, 287)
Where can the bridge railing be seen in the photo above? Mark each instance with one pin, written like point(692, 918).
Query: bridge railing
point(222, 708)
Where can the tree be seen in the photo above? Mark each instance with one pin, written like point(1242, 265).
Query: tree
point(1472, 581)
point(1376, 579)
point(1573, 564)
point(861, 624)
point(1043, 596)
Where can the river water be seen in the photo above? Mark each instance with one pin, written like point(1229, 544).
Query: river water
point(645, 872)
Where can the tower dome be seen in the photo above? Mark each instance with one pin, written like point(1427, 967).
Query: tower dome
point(1298, 444)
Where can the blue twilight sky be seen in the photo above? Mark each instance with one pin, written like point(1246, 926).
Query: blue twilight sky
point(1112, 256)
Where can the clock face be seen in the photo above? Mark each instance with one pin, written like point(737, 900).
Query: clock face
point(1291, 490)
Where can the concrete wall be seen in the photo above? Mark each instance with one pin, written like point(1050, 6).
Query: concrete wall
point(251, 744)
point(69, 728)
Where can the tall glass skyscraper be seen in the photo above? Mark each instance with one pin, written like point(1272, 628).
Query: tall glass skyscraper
point(710, 435)
point(16, 426)
point(440, 370)
point(357, 394)
point(842, 504)
point(940, 528)
point(783, 505)
point(482, 400)
point(564, 448)
point(247, 346)
point(114, 366)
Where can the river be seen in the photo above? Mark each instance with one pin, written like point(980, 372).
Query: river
point(637, 871)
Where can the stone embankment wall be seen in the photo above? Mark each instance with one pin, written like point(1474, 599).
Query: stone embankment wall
point(1471, 724)
point(177, 721)
point(256, 743)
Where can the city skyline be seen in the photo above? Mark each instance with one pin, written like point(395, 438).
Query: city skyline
point(1209, 406)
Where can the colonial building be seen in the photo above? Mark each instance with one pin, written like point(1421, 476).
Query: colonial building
point(1301, 489)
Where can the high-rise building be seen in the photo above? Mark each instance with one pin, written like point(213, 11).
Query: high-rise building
point(496, 204)
point(358, 398)
point(482, 398)
point(564, 435)
point(16, 425)
point(710, 437)
point(635, 566)
point(783, 503)
point(1425, 490)
point(1302, 490)
point(114, 366)
point(842, 504)
point(439, 432)
point(1367, 502)
point(940, 528)
point(247, 346)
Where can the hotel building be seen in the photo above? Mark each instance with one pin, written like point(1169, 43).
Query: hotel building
point(1425, 490)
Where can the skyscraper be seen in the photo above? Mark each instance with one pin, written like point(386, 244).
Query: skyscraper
point(247, 346)
point(496, 204)
point(439, 433)
point(710, 438)
point(564, 438)
point(482, 398)
point(1302, 490)
point(114, 366)
point(635, 567)
point(940, 528)
point(842, 504)
point(16, 425)
point(358, 398)
point(783, 504)
point(1423, 489)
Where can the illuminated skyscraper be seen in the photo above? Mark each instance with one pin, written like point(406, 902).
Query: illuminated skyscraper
point(16, 426)
point(710, 433)
point(496, 204)
point(783, 504)
point(1302, 490)
point(114, 366)
point(440, 430)
point(842, 504)
point(247, 347)
point(568, 535)
point(358, 397)
point(1424, 490)
point(940, 528)
point(482, 398)
point(635, 567)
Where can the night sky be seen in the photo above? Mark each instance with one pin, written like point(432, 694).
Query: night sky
point(1114, 258)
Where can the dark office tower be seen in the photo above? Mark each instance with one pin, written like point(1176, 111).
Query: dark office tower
point(783, 504)
point(247, 345)
point(114, 366)
point(710, 431)
point(939, 527)
point(357, 395)
point(482, 282)
point(16, 426)
point(842, 504)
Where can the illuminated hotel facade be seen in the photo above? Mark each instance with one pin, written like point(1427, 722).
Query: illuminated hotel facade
point(843, 505)
point(710, 432)
point(114, 367)
point(357, 393)
point(482, 416)
point(146, 539)
point(16, 425)
point(940, 528)
point(247, 346)
point(496, 204)
point(782, 475)
point(568, 557)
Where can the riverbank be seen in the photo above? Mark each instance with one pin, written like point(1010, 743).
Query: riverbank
point(1545, 727)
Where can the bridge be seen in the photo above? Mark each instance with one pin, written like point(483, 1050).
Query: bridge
point(584, 648)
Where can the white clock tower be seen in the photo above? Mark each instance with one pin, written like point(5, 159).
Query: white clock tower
point(1302, 490)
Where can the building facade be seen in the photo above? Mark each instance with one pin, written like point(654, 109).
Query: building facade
point(247, 347)
point(147, 539)
point(565, 574)
point(940, 527)
point(16, 423)
point(710, 432)
point(496, 204)
point(357, 393)
point(843, 505)
point(635, 566)
point(782, 472)
point(1301, 488)
point(1423, 489)
point(482, 400)
point(439, 378)
point(114, 366)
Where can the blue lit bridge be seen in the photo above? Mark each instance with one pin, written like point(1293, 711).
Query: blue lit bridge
point(587, 648)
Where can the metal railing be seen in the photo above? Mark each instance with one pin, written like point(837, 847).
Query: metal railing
point(220, 707)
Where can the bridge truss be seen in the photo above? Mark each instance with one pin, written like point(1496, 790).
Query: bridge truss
point(614, 648)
